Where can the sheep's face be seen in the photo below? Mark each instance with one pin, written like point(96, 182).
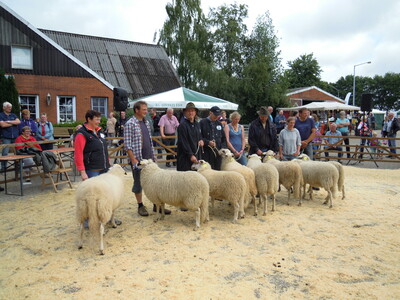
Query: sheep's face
point(201, 165)
point(303, 157)
point(145, 162)
point(225, 153)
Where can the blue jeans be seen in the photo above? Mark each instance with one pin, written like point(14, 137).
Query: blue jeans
point(392, 143)
point(93, 173)
point(288, 157)
point(242, 160)
point(338, 148)
point(5, 151)
point(309, 150)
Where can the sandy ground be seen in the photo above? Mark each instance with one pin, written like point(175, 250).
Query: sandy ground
point(351, 251)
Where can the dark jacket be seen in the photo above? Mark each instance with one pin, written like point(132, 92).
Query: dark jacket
point(212, 131)
point(10, 132)
point(260, 138)
point(395, 126)
point(189, 136)
point(95, 153)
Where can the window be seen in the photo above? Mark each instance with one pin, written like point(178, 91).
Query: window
point(100, 104)
point(66, 109)
point(21, 57)
point(31, 103)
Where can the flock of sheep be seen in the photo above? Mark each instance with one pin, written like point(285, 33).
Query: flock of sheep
point(98, 197)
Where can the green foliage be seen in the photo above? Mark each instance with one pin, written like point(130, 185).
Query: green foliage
point(386, 91)
point(69, 124)
point(303, 71)
point(8, 92)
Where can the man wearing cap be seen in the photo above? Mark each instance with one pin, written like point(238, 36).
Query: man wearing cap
point(262, 133)
point(189, 139)
point(213, 136)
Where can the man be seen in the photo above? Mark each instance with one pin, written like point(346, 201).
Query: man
point(392, 128)
point(213, 135)
point(343, 126)
point(306, 127)
point(9, 128)
point(262, 133)
point(190, 142)
point(119, 126)
point(138, 144)
point(336, 136)
point(168, 125)
point(270, 111)
point(156, 129)
point(280, 121)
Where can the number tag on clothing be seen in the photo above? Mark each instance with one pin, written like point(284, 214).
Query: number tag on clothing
point(219, 127)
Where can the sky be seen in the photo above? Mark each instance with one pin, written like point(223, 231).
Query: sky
point(340, 33)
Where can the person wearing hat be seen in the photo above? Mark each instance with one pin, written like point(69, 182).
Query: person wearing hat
point(262, 133)
point(214, 139)
point(189, 139)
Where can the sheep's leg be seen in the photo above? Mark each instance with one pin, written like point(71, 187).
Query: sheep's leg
point(304, 192)
point(197, 219)
point(288, 196)
point(162, 206)
point(273, 202)
point(81, 230)
point(343, 193)
point(212, 202)
point(310, 191)
point(235, 212)
point(264, 204)
point(157, 215)
point(101, 239)
point(255, 205)
point(300, 201)
point(241, 208)
point(112, 221)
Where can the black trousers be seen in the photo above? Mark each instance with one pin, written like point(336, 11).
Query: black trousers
point(169, 142)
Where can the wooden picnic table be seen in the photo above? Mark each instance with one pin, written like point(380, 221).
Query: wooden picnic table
point(17, 159)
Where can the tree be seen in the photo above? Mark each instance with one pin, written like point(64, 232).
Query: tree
point(303, 71)
point(186, 40)
point(8, 92)
point(386, 91)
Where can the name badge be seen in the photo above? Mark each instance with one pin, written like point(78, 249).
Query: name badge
point(219, 127)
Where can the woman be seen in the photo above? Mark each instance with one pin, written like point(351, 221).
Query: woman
point(234, 133)
point(91, 155)
point(343, 126)
point(111, 121)
point(26, 137)
point(27, 121)
point(289, 141)
point(45, 132)
point(190, 142)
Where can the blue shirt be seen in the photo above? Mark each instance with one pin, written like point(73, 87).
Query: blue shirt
point(10, 132)
point(30, 123)
point(344, 129)
point(304, 127)
point(277, 122)
point(333, 140)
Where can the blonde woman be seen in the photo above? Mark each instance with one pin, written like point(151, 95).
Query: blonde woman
point(234, 133)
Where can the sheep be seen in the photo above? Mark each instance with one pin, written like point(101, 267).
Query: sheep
point(182, 189)
point(229, 164)
point(290, 175)
point(224, 185)
point(340, 168)
point(267, 179)
point(96, 199)
point(319, 174)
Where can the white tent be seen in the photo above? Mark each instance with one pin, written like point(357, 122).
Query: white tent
point(178, 98)
point(326, 105)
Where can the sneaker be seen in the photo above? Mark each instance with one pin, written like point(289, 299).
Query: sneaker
point(168, 165)
point(142, 211)
point(27, 182)
point(1, 189)
point(166, 211)
point(184, 209)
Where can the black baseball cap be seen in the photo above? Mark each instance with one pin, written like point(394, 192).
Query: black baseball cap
point(215, 110)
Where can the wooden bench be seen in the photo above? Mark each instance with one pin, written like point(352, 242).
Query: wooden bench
point(62, 132)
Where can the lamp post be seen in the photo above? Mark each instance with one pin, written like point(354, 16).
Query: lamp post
point(354, 80)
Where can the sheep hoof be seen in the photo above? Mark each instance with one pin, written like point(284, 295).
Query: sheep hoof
point(80, 247)
point(101, 252)
point(114, 226)
point(299, 204)
point(255, 214)
point(162, 217)
point(330, 206)
point(195, 229)
point(264, 214)
point(325, 202)
point(155, 220)
point(234, 222)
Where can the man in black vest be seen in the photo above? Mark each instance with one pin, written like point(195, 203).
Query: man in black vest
point(213, 135)
point(262, 133)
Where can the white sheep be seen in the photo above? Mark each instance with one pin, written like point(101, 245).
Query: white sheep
point(224, 185)
point(230, 164)
point(340, 169)
point(96, 199)
point(319, 174)
point(182, 189)
point(267, 179)
point(290, 175)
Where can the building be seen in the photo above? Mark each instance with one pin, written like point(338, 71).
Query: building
point(306, 95)
point(65, 74)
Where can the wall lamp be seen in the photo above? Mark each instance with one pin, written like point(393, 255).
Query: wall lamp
point(48, 99)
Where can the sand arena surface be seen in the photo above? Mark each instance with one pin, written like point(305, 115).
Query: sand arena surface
point(351, 251)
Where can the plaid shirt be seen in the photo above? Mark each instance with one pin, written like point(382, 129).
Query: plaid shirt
point(133, 137)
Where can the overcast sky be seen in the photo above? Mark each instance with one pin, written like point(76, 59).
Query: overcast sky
point(340, 33)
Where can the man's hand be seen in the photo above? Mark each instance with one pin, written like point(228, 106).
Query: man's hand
point(303, 144)
point(201, 143)
point(163, 136)
point(211, 144)
point(259, 152)
point(193, 159)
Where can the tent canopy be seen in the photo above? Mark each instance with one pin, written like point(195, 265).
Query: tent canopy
point(178, 98)
point(326, 105)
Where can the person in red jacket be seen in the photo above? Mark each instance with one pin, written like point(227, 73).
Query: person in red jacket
point(26, 137)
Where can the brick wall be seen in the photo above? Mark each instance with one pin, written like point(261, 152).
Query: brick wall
point(312, 94)
point(81, 88)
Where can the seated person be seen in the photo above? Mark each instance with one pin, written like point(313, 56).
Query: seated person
point(26, 137)
point(330, 141)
